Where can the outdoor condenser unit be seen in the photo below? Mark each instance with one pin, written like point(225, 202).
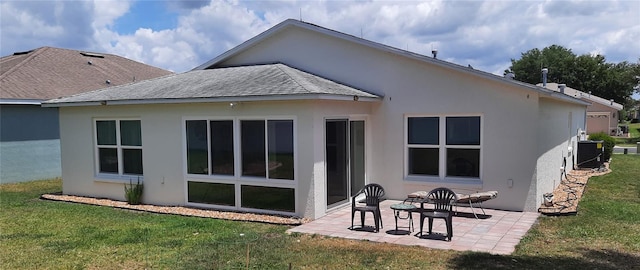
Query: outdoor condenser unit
point(590, 154)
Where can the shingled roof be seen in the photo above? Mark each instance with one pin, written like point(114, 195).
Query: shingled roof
point(48, 72)
point(256, 82)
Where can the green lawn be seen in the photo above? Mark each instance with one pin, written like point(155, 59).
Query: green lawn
point(634, 132)
point(39, 234)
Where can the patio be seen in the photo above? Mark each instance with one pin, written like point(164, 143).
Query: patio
point(498, 232)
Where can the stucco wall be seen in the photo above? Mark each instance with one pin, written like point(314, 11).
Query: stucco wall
point(163, 147)
point(410, 87)
point(556, 143)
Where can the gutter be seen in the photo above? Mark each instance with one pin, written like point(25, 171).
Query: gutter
point(53, 103)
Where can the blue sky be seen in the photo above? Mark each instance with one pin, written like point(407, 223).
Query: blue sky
point(146, 14)
point(180, 35)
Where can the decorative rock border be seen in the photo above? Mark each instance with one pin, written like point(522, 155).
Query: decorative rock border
point(179, 210)
point(568, 194)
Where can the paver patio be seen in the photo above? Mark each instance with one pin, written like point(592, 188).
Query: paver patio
point(498, 232)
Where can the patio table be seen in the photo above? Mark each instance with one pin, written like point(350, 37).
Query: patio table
point(408, 208)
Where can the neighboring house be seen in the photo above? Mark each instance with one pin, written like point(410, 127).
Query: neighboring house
point(602, 114)
point(29, 134)
point(298, 118)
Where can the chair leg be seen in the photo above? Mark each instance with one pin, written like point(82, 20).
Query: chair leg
point(430, 225)
point(353, 215)
point(449, 227)
point(421, 224)
point(376, 219)
point(380, 217)
point(362, 218)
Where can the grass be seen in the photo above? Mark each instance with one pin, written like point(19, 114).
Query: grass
point(39, 234)
point(634, 136)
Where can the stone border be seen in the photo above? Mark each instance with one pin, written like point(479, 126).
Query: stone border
point(179, 210)
point(569, 192)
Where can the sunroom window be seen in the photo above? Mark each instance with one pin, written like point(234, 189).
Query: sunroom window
point(241, 163)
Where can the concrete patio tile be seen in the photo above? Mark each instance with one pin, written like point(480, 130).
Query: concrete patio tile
point(497, 234)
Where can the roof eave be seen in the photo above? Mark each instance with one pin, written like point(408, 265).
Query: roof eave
point(563, 97)
point(54, 103)
point(11, 101)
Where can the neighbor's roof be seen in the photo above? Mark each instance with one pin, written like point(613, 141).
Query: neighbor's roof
point(246, 83)
point(585, 96)
point(292, 23)
point(45, 73)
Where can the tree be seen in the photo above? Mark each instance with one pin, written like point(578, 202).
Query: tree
point(588, 73)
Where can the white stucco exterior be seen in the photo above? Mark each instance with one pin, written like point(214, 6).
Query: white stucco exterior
point(525, 134)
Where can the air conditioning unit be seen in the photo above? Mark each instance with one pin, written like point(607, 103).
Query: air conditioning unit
point(590, 154)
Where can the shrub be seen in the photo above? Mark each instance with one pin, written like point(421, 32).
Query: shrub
point(609, 143)
point(133, 193)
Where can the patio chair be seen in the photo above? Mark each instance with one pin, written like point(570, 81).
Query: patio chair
point(373, 194)
point(443, 200)
point(472, 200)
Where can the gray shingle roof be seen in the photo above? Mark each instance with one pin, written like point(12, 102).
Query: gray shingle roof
point(275, 81)
point(48, 72)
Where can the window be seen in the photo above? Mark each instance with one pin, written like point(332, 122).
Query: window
point(119, 147)
point(423, 139)
point(254, 157)
point(452, 139)
point(266, 148)
point(210, 140)
point(276, 154)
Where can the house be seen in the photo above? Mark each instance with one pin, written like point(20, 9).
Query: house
point(602, 115)
point(297, 119)
point(29, 133)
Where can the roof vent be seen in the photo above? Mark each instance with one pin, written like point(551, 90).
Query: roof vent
point(108, 82)
point(89, 62)
point(92, 55)
point(561, 87)
point(21, 53)
point(544, 77)
point(510, 75)
point(434, 52)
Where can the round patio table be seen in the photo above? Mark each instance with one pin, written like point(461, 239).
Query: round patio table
point(406, 208)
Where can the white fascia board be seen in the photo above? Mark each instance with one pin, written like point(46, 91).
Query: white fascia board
point(21, 101)
point(562, 97)
point(212, 100)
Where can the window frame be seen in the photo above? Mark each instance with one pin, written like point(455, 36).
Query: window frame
point(120, 176)
point(237, 179)
point(442, 147)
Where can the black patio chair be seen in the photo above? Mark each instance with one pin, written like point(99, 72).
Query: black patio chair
point(443, 200)
point(373, 194)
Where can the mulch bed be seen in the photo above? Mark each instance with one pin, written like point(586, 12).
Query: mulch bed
point(179, 210)
point(568, 194)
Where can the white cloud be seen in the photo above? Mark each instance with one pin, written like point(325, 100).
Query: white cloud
point(485, 34)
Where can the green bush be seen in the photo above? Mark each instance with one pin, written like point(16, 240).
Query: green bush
point(133, 193)
point(609, 143)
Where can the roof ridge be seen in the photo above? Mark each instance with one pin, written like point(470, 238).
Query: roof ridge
point(279, 66)
point(32, 54)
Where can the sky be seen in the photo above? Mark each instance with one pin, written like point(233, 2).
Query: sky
point(181, 35)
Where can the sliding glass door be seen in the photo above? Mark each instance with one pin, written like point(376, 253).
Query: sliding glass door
point(345, 159)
